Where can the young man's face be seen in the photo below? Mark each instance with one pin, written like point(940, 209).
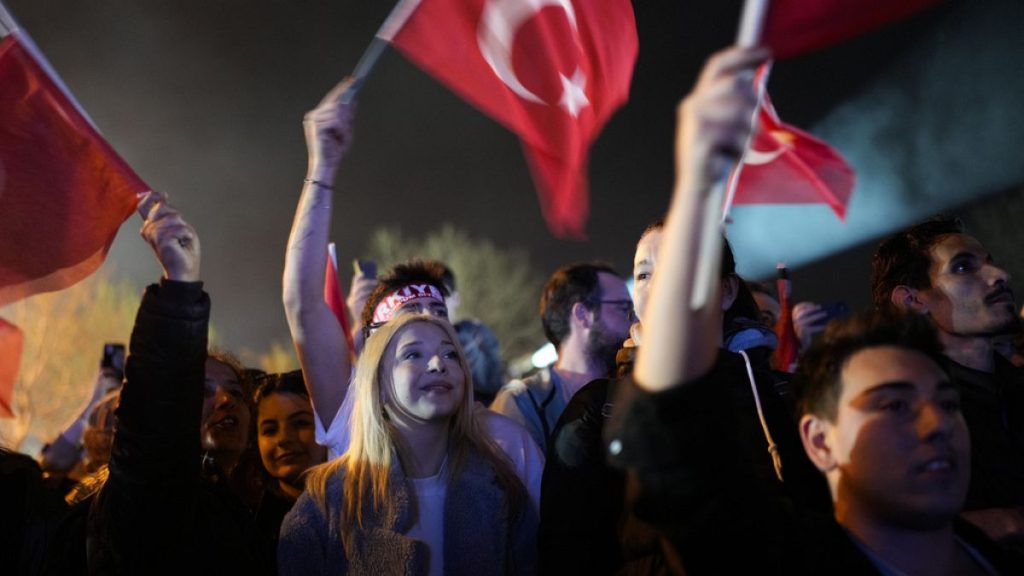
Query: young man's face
point(969, 294)
point(643, 268)
point(898, 451)
point(425, 306)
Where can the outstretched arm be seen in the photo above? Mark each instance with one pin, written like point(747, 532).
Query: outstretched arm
point(713, 124)
point(318, 338)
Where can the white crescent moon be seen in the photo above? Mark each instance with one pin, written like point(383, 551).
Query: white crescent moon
point(759, 157)
point(499, 23)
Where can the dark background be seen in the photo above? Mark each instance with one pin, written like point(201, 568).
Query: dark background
point(205, 100)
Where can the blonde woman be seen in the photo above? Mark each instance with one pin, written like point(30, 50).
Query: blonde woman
point(420, 489)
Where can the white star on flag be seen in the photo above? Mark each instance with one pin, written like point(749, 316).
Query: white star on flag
point(574, 95)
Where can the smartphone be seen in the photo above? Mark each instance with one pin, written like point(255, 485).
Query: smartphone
point(113, 358)
point(367, 268)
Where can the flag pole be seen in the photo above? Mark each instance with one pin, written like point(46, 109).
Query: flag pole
point(7, 23)
point(10, 26)
point(392, 24)
point(713, 222)
point(752, 23)
point(749, 35)
point(734, 176)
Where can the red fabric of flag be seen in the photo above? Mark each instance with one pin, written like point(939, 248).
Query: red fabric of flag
point(788, 350)
point(64, 192)
point(794, 27)
point(785, 165)
point(10, 357)
point(335, 300)
point(551, 71)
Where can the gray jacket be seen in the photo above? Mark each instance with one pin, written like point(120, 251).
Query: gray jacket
point(479, 538)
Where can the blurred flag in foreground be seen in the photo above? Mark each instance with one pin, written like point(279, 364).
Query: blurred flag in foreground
point(785, 165)
point(64, 192)
point(794, 27)
point(551, 71)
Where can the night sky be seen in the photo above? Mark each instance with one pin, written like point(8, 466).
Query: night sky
point(205, 101)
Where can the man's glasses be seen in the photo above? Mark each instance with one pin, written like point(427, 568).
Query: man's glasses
point(623, 306)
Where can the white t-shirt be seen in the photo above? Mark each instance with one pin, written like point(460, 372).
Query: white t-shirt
point(429, 527)
point(526, 457)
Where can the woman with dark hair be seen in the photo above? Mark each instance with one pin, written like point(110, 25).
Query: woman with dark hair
point(286, 440)
point(285, 433)
point(421, 489)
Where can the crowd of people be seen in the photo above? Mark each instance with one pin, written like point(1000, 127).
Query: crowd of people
point(665, 439)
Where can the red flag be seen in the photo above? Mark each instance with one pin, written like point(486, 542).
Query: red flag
point(10, 358)
point(789, 346)
point(794, 27)
point(551, 71)
point(785, 165)
point(334, 297)
point(64, 192)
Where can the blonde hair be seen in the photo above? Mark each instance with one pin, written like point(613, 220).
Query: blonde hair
point(367, 463)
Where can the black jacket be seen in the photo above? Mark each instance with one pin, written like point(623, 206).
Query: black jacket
point(157, 514)
point(584, 526)
point(993, 406)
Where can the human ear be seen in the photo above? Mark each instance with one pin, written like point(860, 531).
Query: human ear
point(582, 315)
point(814, 435)
point(907, 298)
point(730, 290)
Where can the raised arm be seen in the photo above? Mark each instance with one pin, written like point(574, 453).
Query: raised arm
point(152, 490)
point(713, 124)
point(66, 449)
point(318, 338)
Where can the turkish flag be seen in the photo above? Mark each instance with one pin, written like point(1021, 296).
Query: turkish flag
point(794, 27)
point(785, 165)
point(10, 357)
point(334, 297)
point(64, 192)
point(786, 353)
point(551, 71)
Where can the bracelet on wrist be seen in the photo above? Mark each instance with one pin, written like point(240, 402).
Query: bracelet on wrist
point(323, 185)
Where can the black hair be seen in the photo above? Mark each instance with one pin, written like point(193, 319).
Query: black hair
point(817, 386)
point(284, 382)
point(904, 258)
point(567, 286)
point(401, 275)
